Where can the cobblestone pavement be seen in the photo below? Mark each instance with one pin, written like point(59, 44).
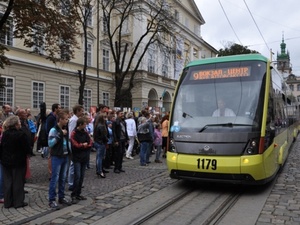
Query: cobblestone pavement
point(105, 196)
point(116, 191)
point(283, 204)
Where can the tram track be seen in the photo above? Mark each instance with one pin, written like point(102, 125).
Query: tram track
point(192, 206)
point(217, 216)
point(162, 207)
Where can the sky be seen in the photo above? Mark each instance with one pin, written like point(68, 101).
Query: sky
point(257, 24)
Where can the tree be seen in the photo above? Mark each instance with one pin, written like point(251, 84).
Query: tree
point(43, 24)
point(235, 49)
point(84, 13)
point(49, 27)
point(128, 53)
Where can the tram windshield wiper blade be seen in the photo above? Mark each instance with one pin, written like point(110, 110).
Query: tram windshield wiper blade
point(184, 114)
point(223, 125)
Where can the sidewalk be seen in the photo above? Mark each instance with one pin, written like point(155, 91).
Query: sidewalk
point(283, 204)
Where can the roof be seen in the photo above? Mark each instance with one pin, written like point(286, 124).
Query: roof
point(244, 57)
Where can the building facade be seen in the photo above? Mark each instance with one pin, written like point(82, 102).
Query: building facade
point(31, 78)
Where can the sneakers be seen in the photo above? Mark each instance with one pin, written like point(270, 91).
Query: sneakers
point(80, 197)
point(53, 205)
point(129, 157)
point(64, 201)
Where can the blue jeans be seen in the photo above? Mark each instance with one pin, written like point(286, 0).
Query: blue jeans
point(143, 152)
point(79, 171)
point(59, 174)
point(71, 175)
point(1, 182)
point(100, 148)
point(158, 152)
point(149, 150)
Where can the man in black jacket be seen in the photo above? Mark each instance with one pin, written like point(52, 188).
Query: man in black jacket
point(120, 139)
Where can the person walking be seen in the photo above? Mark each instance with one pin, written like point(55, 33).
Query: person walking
point(59, 150)
point(81, 143)
point(14, 149)
point(131, 131)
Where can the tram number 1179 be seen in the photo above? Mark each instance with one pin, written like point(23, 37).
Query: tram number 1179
point(207, 164)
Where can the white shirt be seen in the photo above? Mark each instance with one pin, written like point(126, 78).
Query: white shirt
point(72, 124)
point(131, 127)
point(227, 112)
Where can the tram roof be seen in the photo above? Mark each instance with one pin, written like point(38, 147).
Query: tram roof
point(231, 58)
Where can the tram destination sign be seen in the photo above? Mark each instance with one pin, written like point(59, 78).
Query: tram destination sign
point(230, 72)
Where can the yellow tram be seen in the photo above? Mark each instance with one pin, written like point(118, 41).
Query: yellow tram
point(233, 120)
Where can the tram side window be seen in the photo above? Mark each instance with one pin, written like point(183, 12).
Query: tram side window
point(270, 129)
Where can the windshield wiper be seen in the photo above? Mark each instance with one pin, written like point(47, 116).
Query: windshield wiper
point(223, 125)
point(184, 114)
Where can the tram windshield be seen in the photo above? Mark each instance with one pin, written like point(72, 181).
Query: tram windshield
point(219, 97)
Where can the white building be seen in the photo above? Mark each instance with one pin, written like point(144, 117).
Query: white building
point(31, 78)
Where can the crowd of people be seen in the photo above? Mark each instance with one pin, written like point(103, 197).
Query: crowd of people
point(66, 138)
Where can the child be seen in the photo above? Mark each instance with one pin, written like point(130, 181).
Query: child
point(157, 142)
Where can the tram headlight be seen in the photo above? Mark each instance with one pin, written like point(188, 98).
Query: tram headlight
point(172, 147)
point(252, 146)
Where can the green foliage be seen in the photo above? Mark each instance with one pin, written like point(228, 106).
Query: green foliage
point(235, 49)
point(42, 25)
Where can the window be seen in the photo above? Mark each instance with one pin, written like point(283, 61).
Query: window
point(6, 35)
point(105, 97)
point(38, 39)
point(105, 24)
point(176, 15)
point(195, 53)
point(38, 89)
point(64, 97)
point(89, 15)
point(187, 22)
point(87, 99)
point(65, 7)
point(165, 65)
point(65, 52)
point(7, 92)
point(105, 59)
point(89, 54)
point(291, 87)
point(151, 59)
point(298, 87)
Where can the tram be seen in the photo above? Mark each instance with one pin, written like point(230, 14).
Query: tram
point(233, 119)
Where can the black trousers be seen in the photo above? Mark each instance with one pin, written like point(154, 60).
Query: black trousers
point(119, 153)
point(13, 185)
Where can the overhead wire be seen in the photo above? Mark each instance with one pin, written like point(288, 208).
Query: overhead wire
point(256, 25)
point(229, 22)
